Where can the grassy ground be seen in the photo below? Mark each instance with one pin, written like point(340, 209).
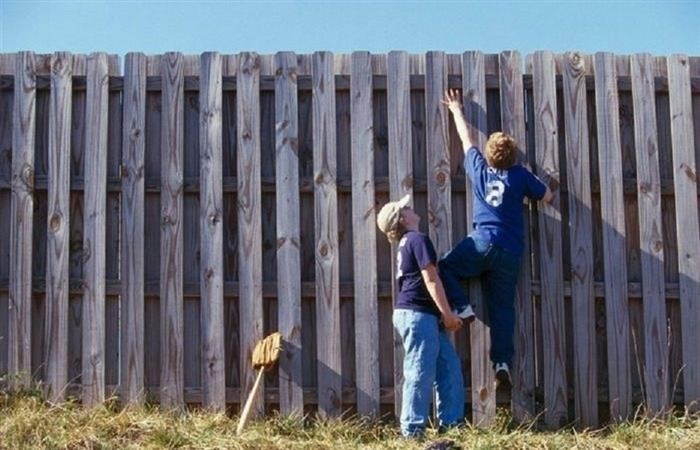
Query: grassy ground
point(26, 421)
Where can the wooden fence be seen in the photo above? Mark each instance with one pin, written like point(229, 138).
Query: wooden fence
point(156, 223)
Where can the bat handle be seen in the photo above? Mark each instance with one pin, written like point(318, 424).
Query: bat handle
point(249, 403)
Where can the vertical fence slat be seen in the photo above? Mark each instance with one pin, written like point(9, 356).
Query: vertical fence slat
point(688, 229)
point(22, 213)
point(211, 232)
point(249, 219)
point(58, 226)
point(581, 240)
point(613, 216)
point(364, 237)
point(400, 172)
point(650, 234)
point(546, 142)
point(171, 239)
point(513, 123)
point(438, 156)
point(133, 203)
point(94, 227)
point(326, 228)
point(288, 231)
point(482, 378)
point(132, 258)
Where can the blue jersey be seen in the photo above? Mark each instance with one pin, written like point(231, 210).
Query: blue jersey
point(498, 200)
point(415, 253)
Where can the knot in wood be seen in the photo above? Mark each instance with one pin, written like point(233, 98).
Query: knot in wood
point(165, 220)
point(27, 175)
point(658, 246)
point(483, 394)
point(689, 172)
point(323, 249)
point(576, 60)
point(135, 134)
point(441, 178)
point(407, 182)
point(209, 273)
point(55, 222)
point(214, 218)
point(644, 187)
point(281, 241)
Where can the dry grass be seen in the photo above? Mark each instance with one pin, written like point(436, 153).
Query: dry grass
point(27, 421)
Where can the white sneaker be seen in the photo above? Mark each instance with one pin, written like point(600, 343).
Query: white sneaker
point(466, 313)
point(503, 375)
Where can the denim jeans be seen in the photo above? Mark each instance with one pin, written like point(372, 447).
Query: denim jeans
point(429, 360)
point(498, 270)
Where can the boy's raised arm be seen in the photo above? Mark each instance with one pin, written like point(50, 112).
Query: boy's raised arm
point(454, 104)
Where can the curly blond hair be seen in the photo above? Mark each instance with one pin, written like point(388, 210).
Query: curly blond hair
point(501, 151)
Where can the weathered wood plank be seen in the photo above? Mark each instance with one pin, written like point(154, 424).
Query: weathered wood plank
point(438, 157)
point(288, 232)
point(651, 235)
point(581, 240)
point(364, 237)
point(400, 173)
point(326, 235)
point(22, 213)
point(513, 123)
point(687, 227)
point(94, 223)
point(546, 141)
point(58, 226)
point(613, 218)
point(249, 220)
point(132, 240)
point(483, 391)
point(211, 233)
point(171, 238)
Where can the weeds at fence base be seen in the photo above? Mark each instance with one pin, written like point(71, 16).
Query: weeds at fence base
point(28, 421)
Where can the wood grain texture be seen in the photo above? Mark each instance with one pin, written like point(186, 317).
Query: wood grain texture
point(483, 389)
point(94, 226)
point(651, 235)
point(513, 123)
point(581, 239)
point(687, 227)
point(364, 237)
point(546, 141)
point(58, 226)
point(288, 232)
point(438, 157)
point(613, 217)
point(171, 233)
point(249, 220)
point(211, 233)
point(400, 174)
point(326, 235)
point(132, 241)
point(22, 212)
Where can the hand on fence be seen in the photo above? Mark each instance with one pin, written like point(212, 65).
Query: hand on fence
point(453, 101)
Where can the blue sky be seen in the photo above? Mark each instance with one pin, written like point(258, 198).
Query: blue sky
point(379, 26)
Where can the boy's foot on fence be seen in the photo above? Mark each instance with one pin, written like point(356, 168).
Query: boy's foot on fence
point(466, 313)
point(503, 376)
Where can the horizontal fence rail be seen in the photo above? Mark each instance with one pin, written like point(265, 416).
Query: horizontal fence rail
point(156, 221)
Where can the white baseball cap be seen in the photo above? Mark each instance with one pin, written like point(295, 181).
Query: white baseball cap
point(390, 213)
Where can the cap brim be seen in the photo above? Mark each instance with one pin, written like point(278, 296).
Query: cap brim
point(405, 201)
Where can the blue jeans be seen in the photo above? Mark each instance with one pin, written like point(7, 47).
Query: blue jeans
point(498, 270)
point(429, 360)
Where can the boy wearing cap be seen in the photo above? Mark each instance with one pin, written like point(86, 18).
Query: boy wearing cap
point(430, 359)
point(494, 248)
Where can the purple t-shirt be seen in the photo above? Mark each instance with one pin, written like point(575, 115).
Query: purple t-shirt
point(498, 200)
point(415, 253)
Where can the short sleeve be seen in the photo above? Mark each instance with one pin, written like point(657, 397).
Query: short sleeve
point(474, 162)
point(424, 252)
point(534, 187)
